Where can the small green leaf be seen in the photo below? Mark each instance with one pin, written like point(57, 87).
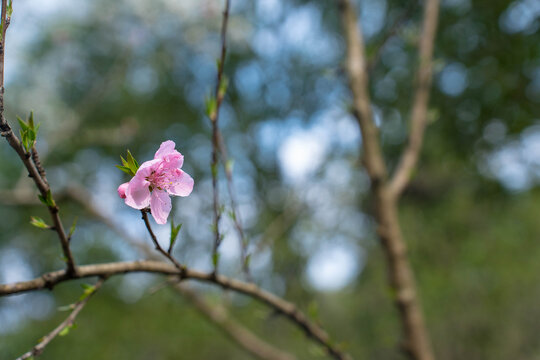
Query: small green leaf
point(126, 170)
point(215, 259)
point(88, 287)
point(214, 169)
point(88, 290)
point(39, 222)
point(211, 105)
point(221, 209)
point(66, 307)
point(10, 8)
point(64, 331)
point(72, 228)
point(23, 124)
point(223, 86)
point(174, 234)
point(124, 162)
point(28, 132)
point(132, 163)
point(129, 165)
point(31, 120)
point(42, 199)
point(247, 261)
point(229, 165)
point(48, 200)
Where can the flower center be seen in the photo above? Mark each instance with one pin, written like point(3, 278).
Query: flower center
point(159, 179)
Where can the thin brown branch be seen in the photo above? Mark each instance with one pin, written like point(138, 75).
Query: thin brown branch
point(214, 118)
point(237, 221)
point(409, 158)
point(231, 328)
point(68, 322)
point(37, 162)
point(289, 310)
point(158, 247)
point(34, 169)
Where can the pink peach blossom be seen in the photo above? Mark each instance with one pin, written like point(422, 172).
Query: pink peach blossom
point(156, 180)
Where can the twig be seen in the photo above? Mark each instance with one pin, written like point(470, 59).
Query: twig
point(68, 322)
point(51, 279)
point(410, 155)
point(34, 168)
point(226, 161)
point(232, 329)
point(179, 266)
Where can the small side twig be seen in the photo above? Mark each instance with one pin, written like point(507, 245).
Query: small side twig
point(68, 322)
point(158, 247)
point(226, 161)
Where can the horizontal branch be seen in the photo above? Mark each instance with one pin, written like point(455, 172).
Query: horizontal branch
point(51, 279)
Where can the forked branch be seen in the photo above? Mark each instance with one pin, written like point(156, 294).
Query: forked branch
point(401, 277)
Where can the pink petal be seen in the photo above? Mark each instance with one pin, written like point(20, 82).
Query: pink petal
point(147, 167)
point(166, 148)
point(174, 160)
point(160, 206)
point(171, 157)
point(138, 192)
point(182, 185)
point(122, 190)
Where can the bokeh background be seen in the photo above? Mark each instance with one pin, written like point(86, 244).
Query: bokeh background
point(104, 77)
